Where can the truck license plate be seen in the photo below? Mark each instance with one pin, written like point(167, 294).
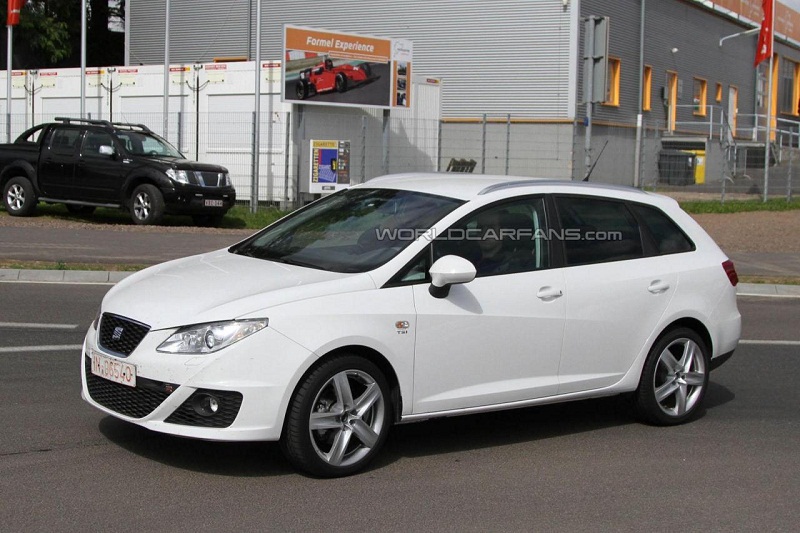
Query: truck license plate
point(213, 203)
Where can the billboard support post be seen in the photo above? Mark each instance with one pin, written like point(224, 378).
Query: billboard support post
point(483, 145)
point(439, 149)
point(385, 142)
point(363, 148)
point(287, 142)
point(508, 140)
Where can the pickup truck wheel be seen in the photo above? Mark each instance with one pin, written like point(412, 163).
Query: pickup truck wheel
point(19, 198)
point(147, 205)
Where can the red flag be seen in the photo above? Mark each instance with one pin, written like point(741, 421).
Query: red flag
point(14, 7)
point(765, 36)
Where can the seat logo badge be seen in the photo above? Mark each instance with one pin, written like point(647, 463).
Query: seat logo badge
point(117, 335)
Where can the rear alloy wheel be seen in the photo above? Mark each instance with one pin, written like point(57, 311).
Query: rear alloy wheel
point(19, 198)
point(338, 418)
point(147, 205)
point(674, 379)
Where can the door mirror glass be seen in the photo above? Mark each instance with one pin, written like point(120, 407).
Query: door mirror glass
point(449, 270)
point(106, 150)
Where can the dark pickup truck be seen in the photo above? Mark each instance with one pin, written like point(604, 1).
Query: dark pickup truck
point(95, 163)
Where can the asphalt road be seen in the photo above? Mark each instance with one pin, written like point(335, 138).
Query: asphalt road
point(584, 466)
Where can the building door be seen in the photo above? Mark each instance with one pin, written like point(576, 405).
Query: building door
point(733, 111)
point(672, 99)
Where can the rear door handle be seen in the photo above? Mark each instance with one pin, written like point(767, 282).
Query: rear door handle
point(658, 286)
point(549, 293)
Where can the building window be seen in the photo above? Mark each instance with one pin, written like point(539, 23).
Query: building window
point(613, 81)
point(790, 87)
point(718, 96)
point(699, 96)
point(647, 87)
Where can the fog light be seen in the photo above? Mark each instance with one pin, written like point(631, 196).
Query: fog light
point(205, 404)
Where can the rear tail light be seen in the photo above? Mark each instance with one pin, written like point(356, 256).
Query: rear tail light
point(730, 270)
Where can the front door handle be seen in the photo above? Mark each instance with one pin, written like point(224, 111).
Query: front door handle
point(658, 286)
point(549, 293)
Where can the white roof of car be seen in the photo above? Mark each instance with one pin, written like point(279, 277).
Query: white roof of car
point(469, 186)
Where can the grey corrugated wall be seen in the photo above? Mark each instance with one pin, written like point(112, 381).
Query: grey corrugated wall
point(495, 57)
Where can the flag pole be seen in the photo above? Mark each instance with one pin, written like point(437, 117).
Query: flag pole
point(9, 55)
point(769, 103)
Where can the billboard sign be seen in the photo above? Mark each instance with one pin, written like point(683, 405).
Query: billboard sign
point(330, 166)
point(345, 69)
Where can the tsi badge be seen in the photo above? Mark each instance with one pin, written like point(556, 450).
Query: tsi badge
point(402, 327)
point(117, 335)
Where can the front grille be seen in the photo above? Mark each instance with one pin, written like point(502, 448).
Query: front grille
point(135, 402)
point(229, 404)
point(210, 179)
point(121, 335)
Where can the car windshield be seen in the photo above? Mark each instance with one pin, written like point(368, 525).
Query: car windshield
point(138, 143)
point(355, 230)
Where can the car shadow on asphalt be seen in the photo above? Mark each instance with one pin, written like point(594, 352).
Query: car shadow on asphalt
point(439, 436)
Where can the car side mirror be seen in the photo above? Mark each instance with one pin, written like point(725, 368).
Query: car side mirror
point(106, 150)
point(447, 271)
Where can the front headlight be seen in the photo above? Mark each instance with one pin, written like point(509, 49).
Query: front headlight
point(209, 338)
point(178, 175)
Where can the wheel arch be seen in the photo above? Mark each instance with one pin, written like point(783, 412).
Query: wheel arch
point(22, 169)
point(375, 357)
point(693, 324)
point(134, 181)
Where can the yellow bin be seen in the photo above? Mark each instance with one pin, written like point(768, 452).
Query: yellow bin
point(699, 165)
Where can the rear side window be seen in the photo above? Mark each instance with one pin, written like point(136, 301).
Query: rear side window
point(65, 140)
point(668, 237)
point(597, 231)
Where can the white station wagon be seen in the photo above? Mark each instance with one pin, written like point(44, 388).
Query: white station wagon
point(418, 296)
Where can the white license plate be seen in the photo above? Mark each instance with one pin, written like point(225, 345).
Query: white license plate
point(113, 370)
point(213, 203)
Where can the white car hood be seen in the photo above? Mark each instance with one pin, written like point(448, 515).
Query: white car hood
point(220, 286)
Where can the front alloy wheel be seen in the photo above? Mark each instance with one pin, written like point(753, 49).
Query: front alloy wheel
point(18, 197)
point(147, 205)
point(674, 379)
point(338, 418)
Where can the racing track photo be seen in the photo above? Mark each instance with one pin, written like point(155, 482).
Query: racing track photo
point(372, 92)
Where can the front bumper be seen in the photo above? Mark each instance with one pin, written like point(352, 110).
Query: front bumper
point(196, 200)
point(253, 380)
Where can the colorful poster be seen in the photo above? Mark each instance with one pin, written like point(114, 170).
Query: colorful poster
point(330, 166)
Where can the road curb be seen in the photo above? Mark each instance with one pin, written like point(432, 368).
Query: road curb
point(62, 276)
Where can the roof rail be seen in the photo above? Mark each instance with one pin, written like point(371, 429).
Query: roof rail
point(132, 126)
point(67, 120)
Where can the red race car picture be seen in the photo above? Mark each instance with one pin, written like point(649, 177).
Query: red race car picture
point(326, 77)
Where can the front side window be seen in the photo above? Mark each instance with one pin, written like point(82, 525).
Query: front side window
point(596, 230)
point(93, 141)
point(356, 230)
point(139, 143)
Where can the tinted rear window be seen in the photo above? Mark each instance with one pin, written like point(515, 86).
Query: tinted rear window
point(668, 237)
point(597, 230)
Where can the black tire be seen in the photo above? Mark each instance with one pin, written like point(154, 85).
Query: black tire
point(80, 209)
point(674, 378)
point(341, 82)
point(367, 69)
point(350, 399)
point(147, 205)
point(19, 197)
point(301, 90)
point(207, 221)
